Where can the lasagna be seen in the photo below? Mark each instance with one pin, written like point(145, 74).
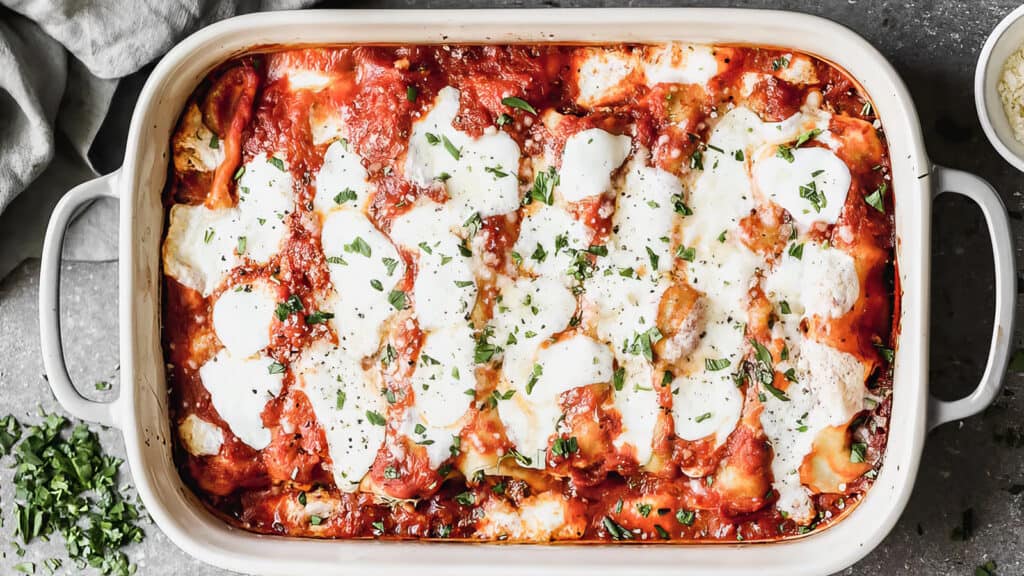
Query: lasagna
point(529, 293)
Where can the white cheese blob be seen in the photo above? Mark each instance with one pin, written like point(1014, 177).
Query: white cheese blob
point(829, 391)
point(445, 288)
point(239, 389)
point(481, 174)
point(202, 245)
point(532, 411)
point(346, 400)
point(588, 160)
point(445, 375)
point(242, 317)
point(341, 176)
point(364, 268)
point(326, 124)
point(527, 313)
point(637, 403)
point(307, 79)
point(681, 64)
point(601, 75)
point(541, 235)
point(812, 188)
point(644, 219)
point(200, 438)
point(822, 282)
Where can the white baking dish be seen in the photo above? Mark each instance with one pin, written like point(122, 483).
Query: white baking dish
point(141, 410)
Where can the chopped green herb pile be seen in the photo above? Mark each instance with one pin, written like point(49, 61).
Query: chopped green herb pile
point(64, 483)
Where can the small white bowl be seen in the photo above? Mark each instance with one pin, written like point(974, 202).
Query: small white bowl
point(1005, 39)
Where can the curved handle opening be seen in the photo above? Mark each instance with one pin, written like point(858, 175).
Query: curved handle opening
point(51, 343)
point(981, 192)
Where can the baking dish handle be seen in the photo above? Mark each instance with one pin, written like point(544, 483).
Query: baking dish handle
point(49, 302)
point(982, 193)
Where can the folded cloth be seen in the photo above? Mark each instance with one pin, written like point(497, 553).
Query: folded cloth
point(59, 65)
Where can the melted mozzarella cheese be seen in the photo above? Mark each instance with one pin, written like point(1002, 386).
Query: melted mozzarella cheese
point(341, 175)
point(242, 318)
point(364, 268)
point(812, 187)
point(445, 289)
point(823, 282)
point(532, 411)
point(681, 64)
point(479, 173)
point(644, 218)
point(325, 124)
point(638, 407)
point(601, 76)
point(444, 375)
point(539, 241)
point(203, 244)
point(201, 438)
point(588, 160)
point(343, 395)
point(307, 79)
point(829, 391)
point(239, 389)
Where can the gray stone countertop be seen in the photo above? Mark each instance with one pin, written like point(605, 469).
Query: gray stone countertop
point(934, 45)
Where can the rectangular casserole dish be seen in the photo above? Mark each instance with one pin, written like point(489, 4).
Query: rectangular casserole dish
point(141, 410)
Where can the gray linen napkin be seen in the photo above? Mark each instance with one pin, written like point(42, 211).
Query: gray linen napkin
point(59, 64)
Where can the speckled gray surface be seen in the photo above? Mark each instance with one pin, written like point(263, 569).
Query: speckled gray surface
point(934, 46)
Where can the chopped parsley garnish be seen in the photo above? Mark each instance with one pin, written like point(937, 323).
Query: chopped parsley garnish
point(239, 173)
point(697, 160)
point(816, 197)
point(544, 187)
point(539, 254)
point(619, 378)
point(339, 401)
point(685, 253)
point(275, 368)
point(455, 152)
point(345, 195)
point(391, 473)
point(336, 260)
point(390, 264)
point(715, 364)
point(780, 62)
point(315, 520)
point(214, 142)
point(241, 244)
point(702, 417)
point(208, 236)
point(598, 250)
point(885, 352)
point(784, 307)
point(785, 152)
point(653, 257)
point(397, 299)
point(806, 137)
point(465, 498)
point(503, 119)
point(484, 350)
point(535, 375)
point(643, 342)
point(877, 198)
point(497, 171)
point(375, 418)
point(679, 206)
point(858, 451)
point(411, 92)
point(614, 530)
point(565, 447)
point(513, 102)
point(432, 139)
point(644, 509)
point(290, 306)
point(685, 517)
point(358, 246)
point(796, 251)
point(277, 163)
point(65, 484)
point(319, 317)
